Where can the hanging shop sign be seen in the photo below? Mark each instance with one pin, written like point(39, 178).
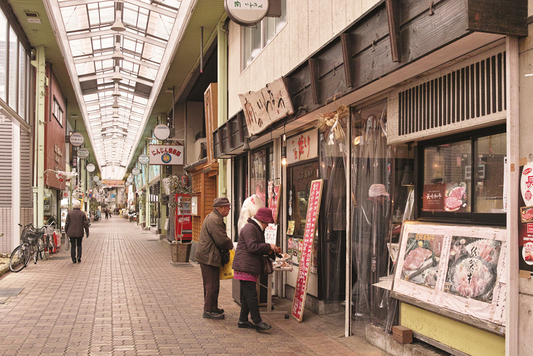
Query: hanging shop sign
point(96, 178)
point(161, 132)
point(91, 167)
point(130, 179)
point(266, 106)
point(135, 171)
point(83, 153)
point(113, 183)
point(313, 208)
point(302, 147)
point(460, 269)
point(76, 139)
point(144, 159)
point(246, 13)
point(166, 155)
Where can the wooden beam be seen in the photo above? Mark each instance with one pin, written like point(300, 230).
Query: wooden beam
point(393, 15)
point(346, 43)
point(240, 128)
point(313, 72)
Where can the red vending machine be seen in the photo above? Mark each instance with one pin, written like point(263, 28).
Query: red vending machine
point(183, 221)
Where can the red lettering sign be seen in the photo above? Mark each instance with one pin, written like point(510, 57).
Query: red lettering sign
point(313, 209)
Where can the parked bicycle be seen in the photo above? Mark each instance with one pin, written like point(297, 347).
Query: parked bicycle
point(33, 244)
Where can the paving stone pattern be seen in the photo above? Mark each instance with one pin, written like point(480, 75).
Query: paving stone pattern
point(126, 298)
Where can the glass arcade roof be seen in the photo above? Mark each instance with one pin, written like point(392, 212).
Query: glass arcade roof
point(118, 54)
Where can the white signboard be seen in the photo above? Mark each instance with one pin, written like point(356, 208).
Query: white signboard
point(135, 171)
point(143, 159)
point(161, 132)
point(76, 139)
point(302, 147)
point(166, 155)
point(91, 167)
point(271, 233)
point(266, 106)
point(83, 153)
point(96, 178)
point(245, 12)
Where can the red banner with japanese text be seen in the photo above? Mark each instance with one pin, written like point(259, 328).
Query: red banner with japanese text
point(313, 209)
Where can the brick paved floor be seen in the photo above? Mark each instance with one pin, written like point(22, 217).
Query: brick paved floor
point(126, 298)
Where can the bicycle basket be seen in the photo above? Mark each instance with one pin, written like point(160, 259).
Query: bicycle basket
point(29, 236)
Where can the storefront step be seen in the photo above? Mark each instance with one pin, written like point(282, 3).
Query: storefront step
point(315, 305)
point(385, 341)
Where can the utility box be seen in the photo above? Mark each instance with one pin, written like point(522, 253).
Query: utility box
point(402, 334)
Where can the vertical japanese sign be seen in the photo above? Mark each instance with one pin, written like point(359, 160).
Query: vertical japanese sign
point(313, 208)
point(274, 192)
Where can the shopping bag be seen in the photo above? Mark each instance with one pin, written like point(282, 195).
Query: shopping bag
point(226, 271)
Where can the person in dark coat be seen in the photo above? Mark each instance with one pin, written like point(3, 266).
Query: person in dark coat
point(213, 238)
point(75, 225)
point(247, 266)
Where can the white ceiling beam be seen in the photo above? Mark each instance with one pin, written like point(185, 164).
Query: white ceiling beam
point(159, 10)
point(109, 75)
point(108, 56)
point(84, 35)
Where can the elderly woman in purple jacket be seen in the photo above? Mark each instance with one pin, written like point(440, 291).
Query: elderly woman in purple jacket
point(247, 266)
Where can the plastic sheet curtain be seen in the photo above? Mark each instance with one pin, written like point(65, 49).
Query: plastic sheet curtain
point(372, 164)
point(332, 249)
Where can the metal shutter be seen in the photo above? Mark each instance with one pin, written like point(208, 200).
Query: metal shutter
point(6, 163)
point(25, 170)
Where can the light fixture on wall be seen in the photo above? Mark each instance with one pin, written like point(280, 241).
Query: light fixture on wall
point(246, 145)
point(408, 179)
point(284, 155)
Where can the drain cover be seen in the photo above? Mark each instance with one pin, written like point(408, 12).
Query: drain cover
point(59, 257)
point(10, 292)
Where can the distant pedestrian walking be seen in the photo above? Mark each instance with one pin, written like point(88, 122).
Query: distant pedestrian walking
point(75, 225)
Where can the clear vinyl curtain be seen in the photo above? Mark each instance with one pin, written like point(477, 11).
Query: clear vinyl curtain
point(372, 165)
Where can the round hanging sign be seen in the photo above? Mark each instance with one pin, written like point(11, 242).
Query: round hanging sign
point(128, 184)
point(83, 153)
point(91, 167)
point(98, 183)
point(143, 159)
point(161, 132)
point(130, 179)
point(246, 13)
point(76, 139)
point(135, 171)
point(96, 178)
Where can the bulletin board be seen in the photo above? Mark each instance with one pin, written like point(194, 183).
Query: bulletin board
point(458, 268)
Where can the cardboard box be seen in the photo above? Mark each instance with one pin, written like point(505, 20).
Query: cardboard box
point(402, 334)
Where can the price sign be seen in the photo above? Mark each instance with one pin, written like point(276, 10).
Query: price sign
point(313, 208)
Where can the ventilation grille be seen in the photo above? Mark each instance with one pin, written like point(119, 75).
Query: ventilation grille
point(470, 92)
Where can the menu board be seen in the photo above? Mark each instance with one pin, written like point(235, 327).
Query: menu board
point(459, 268)
point(313, 209)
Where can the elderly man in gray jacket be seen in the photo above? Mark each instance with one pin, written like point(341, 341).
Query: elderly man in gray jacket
point(75, 224)
point(213, 238)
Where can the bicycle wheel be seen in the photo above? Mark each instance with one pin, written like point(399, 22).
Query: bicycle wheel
point(19, 258)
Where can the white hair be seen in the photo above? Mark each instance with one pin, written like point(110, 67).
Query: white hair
point(76, 204)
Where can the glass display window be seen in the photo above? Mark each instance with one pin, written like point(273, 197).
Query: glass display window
point(299, 181)
point(463, 177)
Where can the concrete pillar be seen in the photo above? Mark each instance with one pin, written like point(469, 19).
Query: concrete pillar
point(40, 120)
